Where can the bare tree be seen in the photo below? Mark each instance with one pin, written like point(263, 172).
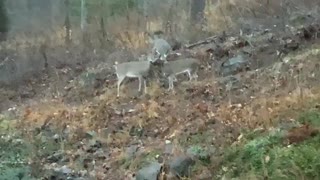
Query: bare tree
point(102, 24)
point(4, 21)
point(83, 15)
point(67, 24)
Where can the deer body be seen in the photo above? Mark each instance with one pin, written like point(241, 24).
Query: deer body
point(162, 48)
point(134, 69)
point(173, 68)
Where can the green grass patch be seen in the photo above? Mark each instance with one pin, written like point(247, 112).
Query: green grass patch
point(311, 117)
point(263, 155)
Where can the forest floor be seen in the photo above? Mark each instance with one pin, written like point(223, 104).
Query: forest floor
point(260, 123)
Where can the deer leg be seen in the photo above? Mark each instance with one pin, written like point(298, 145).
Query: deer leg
point(195, 76)
point(120, 79)
point(140, 83)
point(189, 74)
point(145, 86)
point(170, 79)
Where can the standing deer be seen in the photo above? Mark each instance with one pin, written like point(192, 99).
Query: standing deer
point(142, 70)
point(173, 68)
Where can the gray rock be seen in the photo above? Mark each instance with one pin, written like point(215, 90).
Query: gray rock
point(100, 154)
point(180, 166)
point(168, 149)
point(150, 172)
point(87, 79)
point(56, 157)
point(232, 65)
point(132, 150)
point(91, 134)
point(234, 61)
point(64, 170)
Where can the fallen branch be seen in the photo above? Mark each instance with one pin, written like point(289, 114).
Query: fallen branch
point(206, 41)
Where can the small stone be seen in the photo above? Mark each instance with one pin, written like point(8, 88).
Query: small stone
point(91, 134)
point(181, 165)
point(168, 149)
point(56, 157)
point(65, 170)
point(150, 172)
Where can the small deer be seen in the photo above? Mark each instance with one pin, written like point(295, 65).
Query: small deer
point(135, 69)
point(173, 68)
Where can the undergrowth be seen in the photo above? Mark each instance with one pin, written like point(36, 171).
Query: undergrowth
point(267, 157)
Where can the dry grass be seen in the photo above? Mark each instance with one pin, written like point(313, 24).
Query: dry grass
point(264, 109)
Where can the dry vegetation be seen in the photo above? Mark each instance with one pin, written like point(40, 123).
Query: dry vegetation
point(53, 113)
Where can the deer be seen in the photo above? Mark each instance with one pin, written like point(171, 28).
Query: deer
point(142, 70)
point(184, 65)
point(161, 48)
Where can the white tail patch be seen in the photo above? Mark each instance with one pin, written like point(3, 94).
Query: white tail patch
point(115, 65)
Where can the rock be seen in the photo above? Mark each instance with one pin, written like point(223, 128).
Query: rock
point(87, 79)
point(180, 166)
point(92, 78)
point(168, 148)
point(56, 157)
point(131, 151)
point(91, 134)
point(233, 65)
point(65, 170)
point(150, 172)
point(94, 145)
point(136, 131)
point(100, 154)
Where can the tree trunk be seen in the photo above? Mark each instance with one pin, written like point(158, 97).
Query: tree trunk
point(83, 25)
point(4, 21)
point(102, 24)
point(67, 24)
point(145, 14)
point(196, 10)
point(83, 15)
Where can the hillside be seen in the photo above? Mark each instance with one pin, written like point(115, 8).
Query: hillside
point(253, 113)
